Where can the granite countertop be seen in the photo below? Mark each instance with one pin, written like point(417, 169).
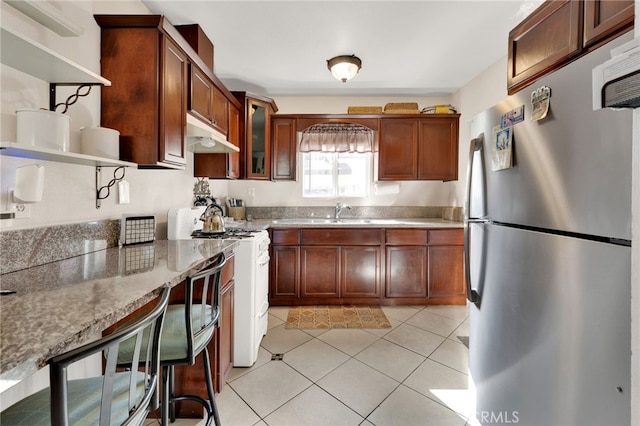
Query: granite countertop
point(347, 222)
point(61, 305)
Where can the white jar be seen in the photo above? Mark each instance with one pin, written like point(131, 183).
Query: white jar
point(100, 142)
point(43, 129)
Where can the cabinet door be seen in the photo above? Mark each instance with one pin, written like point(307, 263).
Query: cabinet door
point(544, 41)
point(446, 272)
point(258, 153)
point(284, 280)
point(360, 271)
point(233, 135)
point(220, 111)
point(319, 272)
point(283, 139)
point(398, 149)
point(406, 271)
point(603, 19)
point(173, 108)
point(200, 101)
point(438, 149)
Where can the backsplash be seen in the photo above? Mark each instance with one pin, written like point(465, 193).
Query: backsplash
point(26, 248)
point(379, 212)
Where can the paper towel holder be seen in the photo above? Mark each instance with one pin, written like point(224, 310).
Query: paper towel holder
point(29, 184)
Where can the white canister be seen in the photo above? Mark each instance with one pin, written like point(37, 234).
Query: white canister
point(43, 129)
point(100, 142)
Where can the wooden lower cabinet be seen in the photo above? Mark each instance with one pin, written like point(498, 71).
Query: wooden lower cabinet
point(320, 272)
point(366, 265)
point(446, 276)
point(406, 271)
point(360, 271)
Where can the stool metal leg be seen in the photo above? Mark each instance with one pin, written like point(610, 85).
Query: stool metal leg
point(164, 410)
point(172, 384)
point(212, 400)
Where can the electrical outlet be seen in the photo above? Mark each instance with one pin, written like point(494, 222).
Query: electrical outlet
point(251, 192)
point(21, 211)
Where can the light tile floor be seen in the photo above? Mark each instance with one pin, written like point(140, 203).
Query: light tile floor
point(414, 373)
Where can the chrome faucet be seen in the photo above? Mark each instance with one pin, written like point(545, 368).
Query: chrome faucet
point(339, 209)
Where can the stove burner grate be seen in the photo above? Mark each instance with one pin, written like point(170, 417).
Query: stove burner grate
point(237, 233)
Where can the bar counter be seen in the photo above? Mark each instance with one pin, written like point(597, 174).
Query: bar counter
point(61, 305)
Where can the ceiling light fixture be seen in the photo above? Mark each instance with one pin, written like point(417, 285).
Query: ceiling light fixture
point(344, 67)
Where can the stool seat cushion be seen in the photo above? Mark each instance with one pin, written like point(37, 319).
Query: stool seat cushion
point(173, 340)
point(84, 401)
point(173, 343)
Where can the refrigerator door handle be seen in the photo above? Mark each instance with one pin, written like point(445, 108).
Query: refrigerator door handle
point(476, 145)
point(472, 295)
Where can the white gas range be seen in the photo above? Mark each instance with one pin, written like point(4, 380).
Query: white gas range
point(251, 290)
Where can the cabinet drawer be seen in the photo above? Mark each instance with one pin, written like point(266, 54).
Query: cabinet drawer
point(407, 237)
point(285, 236)
point(336, 237)
point(446, 237)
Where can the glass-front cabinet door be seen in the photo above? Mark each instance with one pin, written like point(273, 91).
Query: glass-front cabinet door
point(258, 152)
point(255, 135)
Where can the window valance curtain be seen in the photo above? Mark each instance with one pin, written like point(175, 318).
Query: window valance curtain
point(336, 138)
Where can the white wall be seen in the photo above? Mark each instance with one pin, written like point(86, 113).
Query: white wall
point(69, 191)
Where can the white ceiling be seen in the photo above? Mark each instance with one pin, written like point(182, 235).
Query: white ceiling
point(408, 48)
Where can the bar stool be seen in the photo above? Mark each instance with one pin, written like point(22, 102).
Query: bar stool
point(114, 398)
point(187, 331)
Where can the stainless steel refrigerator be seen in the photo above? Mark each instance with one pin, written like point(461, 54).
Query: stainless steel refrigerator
point(549, 259)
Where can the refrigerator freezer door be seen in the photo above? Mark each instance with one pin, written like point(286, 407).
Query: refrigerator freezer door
point(572, 170)
point(550, 337)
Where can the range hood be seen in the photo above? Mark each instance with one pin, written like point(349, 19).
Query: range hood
point(203, 139)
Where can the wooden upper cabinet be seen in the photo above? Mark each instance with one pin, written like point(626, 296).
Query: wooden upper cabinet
point(438, 149)
point(603, 18)
point(420, 148)
point(398, 149)
point(283, 141)
point(560, 31)
point(220, 111)
point(552, 34)
point(207, 102)
point(200, 100)
point(255, 135)
point(173, 116)
point(233, 135)
point(147, 100)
